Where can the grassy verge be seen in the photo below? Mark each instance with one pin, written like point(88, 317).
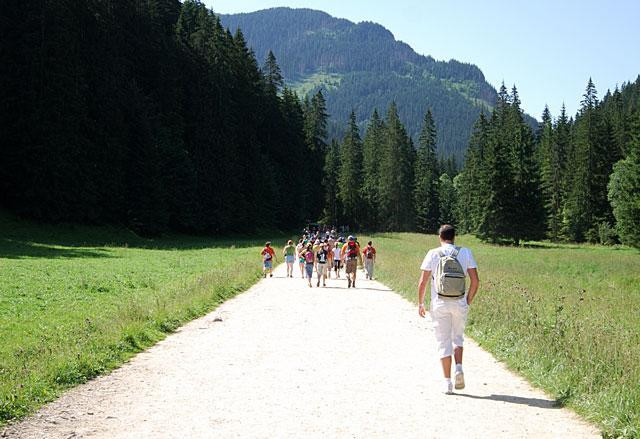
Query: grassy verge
point(78, 302)
point(564, 316)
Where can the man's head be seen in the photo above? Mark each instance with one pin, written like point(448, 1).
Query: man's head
point(351, 238)
point(447, 233)
point(369, 243)
point(267, 244)
point(289, 242)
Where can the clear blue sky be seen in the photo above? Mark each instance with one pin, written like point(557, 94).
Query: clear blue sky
point(548, 48)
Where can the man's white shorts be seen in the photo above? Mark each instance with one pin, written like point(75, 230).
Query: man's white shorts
point(449, 318)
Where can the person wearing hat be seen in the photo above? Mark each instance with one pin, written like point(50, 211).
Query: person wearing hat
point(268, 255)
point(351, 254)
point(446, 267)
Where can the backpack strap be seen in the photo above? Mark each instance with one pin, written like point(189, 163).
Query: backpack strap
point(456, 252)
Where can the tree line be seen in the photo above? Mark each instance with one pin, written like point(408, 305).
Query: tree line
point(151, 115)
point(576, 179)
point(572, 180)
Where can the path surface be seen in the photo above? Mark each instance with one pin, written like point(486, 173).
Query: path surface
point(285, 360)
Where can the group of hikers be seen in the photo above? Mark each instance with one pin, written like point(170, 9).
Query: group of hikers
point(323, 252)
point(444, 268)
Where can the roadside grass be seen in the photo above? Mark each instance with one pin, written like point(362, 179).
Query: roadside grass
point(76, 302)
point(567, 317)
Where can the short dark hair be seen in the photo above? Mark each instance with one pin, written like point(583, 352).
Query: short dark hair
point(447, 232)
point(369, 243)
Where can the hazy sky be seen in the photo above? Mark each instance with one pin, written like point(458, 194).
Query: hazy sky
point(548, 48)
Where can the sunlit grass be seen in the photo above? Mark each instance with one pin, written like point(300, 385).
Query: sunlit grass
point(77, 302)
point(565, 316)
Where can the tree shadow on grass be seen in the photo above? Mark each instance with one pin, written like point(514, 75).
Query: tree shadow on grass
point(14, 249)
point(531, 402)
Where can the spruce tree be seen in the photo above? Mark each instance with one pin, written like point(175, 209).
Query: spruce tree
point(396, 175)
point(331, 174)
point(372, 147)
point(350, 175)
point(426, 178)
point(624, 190)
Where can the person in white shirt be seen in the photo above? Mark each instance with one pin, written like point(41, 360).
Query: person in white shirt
point(448, 314)
point(337, 259)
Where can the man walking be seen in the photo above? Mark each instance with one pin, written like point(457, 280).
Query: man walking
point(369, 254)
point(351, 254)
point(447, 267)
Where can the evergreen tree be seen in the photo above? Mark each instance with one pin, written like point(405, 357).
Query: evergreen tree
point(396, 175)
point(350, 175)
point(426, 179)
point(553, 160)
point(624, 190)
point(448, 200)
point(331, 174)
point(472, 182)
point(372, 147)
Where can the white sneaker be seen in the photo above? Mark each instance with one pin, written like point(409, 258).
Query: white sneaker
point(459, 380)
point(448, 388)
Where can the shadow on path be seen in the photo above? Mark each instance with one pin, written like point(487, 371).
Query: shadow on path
point(531, 402)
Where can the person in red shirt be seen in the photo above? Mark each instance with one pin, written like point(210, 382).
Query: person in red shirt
point(369, 254)
point(268, 255)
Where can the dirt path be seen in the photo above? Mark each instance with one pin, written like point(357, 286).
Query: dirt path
point(285, 360)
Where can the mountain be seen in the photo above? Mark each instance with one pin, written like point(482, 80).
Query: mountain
point(362, 66)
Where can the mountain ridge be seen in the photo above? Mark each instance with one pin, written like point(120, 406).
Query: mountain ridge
point(361, 66)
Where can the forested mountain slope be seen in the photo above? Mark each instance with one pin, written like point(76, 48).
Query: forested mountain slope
point(362, 67)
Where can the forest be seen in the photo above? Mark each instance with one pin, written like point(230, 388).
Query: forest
point(573, 179)
point(152, 116)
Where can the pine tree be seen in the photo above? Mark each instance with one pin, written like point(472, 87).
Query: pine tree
point(552, 173)
point(426, 178)
point(331, 173)
point(471, 182)
point(448, 200)
point(396, 175)
point(372, 147)
point(272, 74)
point(624, 190)
point(350, 175)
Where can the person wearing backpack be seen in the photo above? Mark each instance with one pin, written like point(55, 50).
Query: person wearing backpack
point(447, 267)
point(369, 254)
point(267, 259)
point(351, 254)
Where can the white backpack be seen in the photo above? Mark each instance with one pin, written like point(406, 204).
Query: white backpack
point(449, 275)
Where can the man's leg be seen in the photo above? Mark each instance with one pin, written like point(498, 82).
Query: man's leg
point(442, 320)
point(446, 366)
point(457, 327)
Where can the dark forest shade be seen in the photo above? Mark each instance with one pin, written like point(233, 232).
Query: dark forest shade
point(151, 115)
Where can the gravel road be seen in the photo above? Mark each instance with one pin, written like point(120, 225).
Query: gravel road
point(283, 360)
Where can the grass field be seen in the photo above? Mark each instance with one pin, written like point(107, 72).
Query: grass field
point(77, 302)
point(567, 317)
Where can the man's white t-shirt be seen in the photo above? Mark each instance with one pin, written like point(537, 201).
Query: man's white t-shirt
point(430, 263)
point(336, 254)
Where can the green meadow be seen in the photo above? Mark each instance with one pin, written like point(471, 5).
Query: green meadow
point(76, 302)
point(567, 317)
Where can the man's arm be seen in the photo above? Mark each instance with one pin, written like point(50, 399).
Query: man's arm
point(422, 286)
point(475, 281)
